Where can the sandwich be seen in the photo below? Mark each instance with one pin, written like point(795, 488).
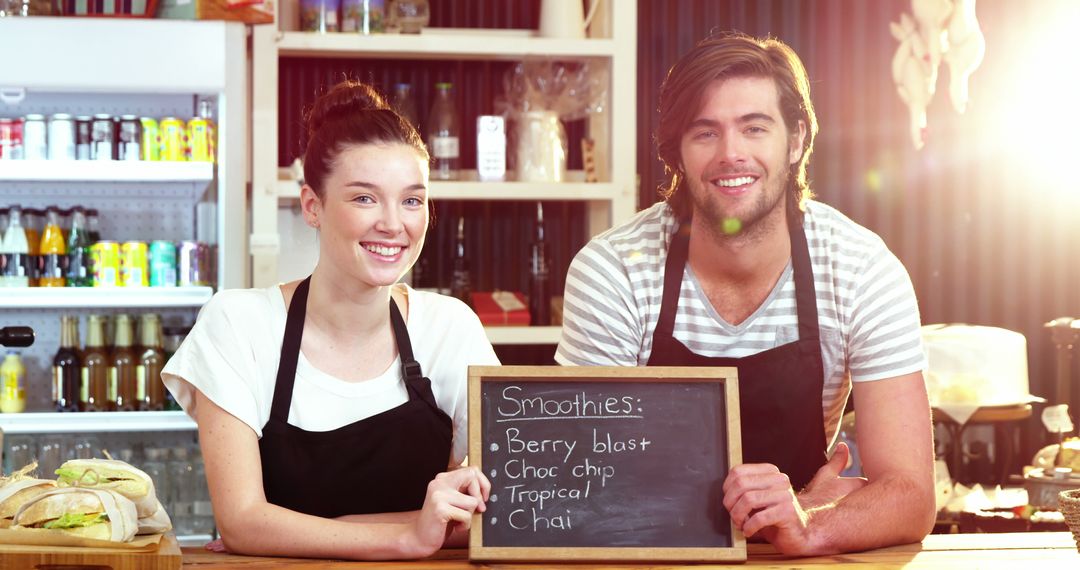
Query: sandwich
point(14, 493)
point(88, 513)
point(113, 475)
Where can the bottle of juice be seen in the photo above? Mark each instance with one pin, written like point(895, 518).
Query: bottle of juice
point(150, 390)
point(12, 384)
point(93, 391)
point(53, 251)
point(14, 246)
point(122, 378)
point(79, 272)
point(35, 219)
point(67, 366)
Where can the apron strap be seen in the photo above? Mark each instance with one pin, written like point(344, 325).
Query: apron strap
point(678, 252)
point(290, 352)
point(410, 368)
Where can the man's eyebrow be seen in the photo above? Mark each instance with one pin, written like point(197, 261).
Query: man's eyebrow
point(747, 118)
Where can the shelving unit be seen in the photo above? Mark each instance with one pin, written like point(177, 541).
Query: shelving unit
point(611, 200)
point(97, 422)
point(105, 298)
point(105, 171)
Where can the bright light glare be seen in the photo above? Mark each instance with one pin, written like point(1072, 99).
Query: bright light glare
point(1040, 99)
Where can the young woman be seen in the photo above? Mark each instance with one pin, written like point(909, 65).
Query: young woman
point(321, 431)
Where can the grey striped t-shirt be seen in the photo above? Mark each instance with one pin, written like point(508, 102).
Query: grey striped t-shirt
point(867, 312)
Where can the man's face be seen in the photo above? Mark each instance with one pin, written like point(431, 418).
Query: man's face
point(736, 154)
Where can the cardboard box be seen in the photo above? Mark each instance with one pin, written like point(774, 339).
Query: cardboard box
point(259, 12)
point(501, 308)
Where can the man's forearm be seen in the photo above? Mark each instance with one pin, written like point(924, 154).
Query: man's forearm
point(894, 509)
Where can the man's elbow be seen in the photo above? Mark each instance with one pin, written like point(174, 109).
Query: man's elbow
point(923, 509)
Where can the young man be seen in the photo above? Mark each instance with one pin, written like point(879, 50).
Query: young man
point(738, 267)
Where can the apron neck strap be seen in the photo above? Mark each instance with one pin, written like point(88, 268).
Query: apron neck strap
point(290, 352)
point(410, 368)
point(803, 274)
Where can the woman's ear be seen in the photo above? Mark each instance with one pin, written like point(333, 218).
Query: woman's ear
point(311, 205)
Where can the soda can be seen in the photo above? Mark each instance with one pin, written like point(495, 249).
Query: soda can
point(129, 138)
point(61, 137)
point(105, 257)
point(151, 140)
point(11, 139)
point(200, 140)
point(162, 264)
point(35, 146)
point(173, 144)
point(82, 137)
point(133, 266)
point(102, 137)
point(193, 264)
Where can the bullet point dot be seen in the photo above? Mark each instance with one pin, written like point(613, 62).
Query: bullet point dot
point(494, 447)
point(494, 498)
point(494, 520)
point(493, 472)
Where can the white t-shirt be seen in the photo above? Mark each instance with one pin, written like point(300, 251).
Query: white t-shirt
point(232, 353)
point(868, 317)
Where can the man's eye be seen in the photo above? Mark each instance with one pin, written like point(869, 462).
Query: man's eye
point(702, 135)
point(756, 130)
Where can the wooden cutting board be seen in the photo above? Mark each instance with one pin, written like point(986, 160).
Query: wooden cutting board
point(22, 557)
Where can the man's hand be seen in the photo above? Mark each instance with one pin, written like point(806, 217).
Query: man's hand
point(828, 486)
point(760, 499)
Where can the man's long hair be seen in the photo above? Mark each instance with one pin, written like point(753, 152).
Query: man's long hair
point(723, 56)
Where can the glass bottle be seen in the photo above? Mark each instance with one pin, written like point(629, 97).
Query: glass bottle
point(67, 366)
point(52, 251)
point(94, 388)
point(405, 104)
point(460, 286)
point(93, 231)
point(443, 134)
point(16, 249)
point(151, 360)
point(78, 272)
point(12, 384)
point(35, 220)
point(122, 379)
point(539, 277)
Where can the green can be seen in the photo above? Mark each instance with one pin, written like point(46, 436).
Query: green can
point(162, 264)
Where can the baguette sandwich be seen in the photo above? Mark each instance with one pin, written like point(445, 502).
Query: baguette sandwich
point(88, 513)
point(113, 475)
point(14, 493)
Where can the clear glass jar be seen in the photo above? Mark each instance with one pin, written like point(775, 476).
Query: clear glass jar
point(443, 141)
point(408, 16)
point(181, 490)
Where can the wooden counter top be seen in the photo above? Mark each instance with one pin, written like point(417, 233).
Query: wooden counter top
point(1012, 551)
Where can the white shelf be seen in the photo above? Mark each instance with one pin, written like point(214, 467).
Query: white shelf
point(94, 422)
point(103, 297)
point(466, 190)
point(105, 170)
point(441, 44)
point(523, 335)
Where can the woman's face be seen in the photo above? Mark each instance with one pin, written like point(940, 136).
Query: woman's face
point(373, 215)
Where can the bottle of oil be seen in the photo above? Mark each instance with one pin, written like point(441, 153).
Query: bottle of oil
point(94, 389)
point(460, 282)
point(539, 276)
point(123, 387)
point(67, 366)
point(151, 361)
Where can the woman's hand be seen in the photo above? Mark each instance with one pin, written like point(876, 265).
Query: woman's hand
point(452, 498)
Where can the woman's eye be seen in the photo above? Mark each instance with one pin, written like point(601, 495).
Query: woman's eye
point(365, 199)
point(414, 202)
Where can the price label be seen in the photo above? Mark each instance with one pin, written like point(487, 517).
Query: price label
point(1056, 418)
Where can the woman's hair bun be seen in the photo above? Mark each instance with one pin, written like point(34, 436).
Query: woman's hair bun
point(342, 100)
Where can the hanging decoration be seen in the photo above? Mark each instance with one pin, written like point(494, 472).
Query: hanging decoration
point(937, 31)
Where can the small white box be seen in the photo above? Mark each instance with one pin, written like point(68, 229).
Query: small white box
point(490, 148)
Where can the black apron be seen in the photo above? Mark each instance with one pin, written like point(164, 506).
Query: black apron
point(376, 465)
point(780, 400)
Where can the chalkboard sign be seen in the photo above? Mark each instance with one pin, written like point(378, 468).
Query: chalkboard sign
point(604, 463)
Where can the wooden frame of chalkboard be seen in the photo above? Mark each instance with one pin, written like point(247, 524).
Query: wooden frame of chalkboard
point(604, 463)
